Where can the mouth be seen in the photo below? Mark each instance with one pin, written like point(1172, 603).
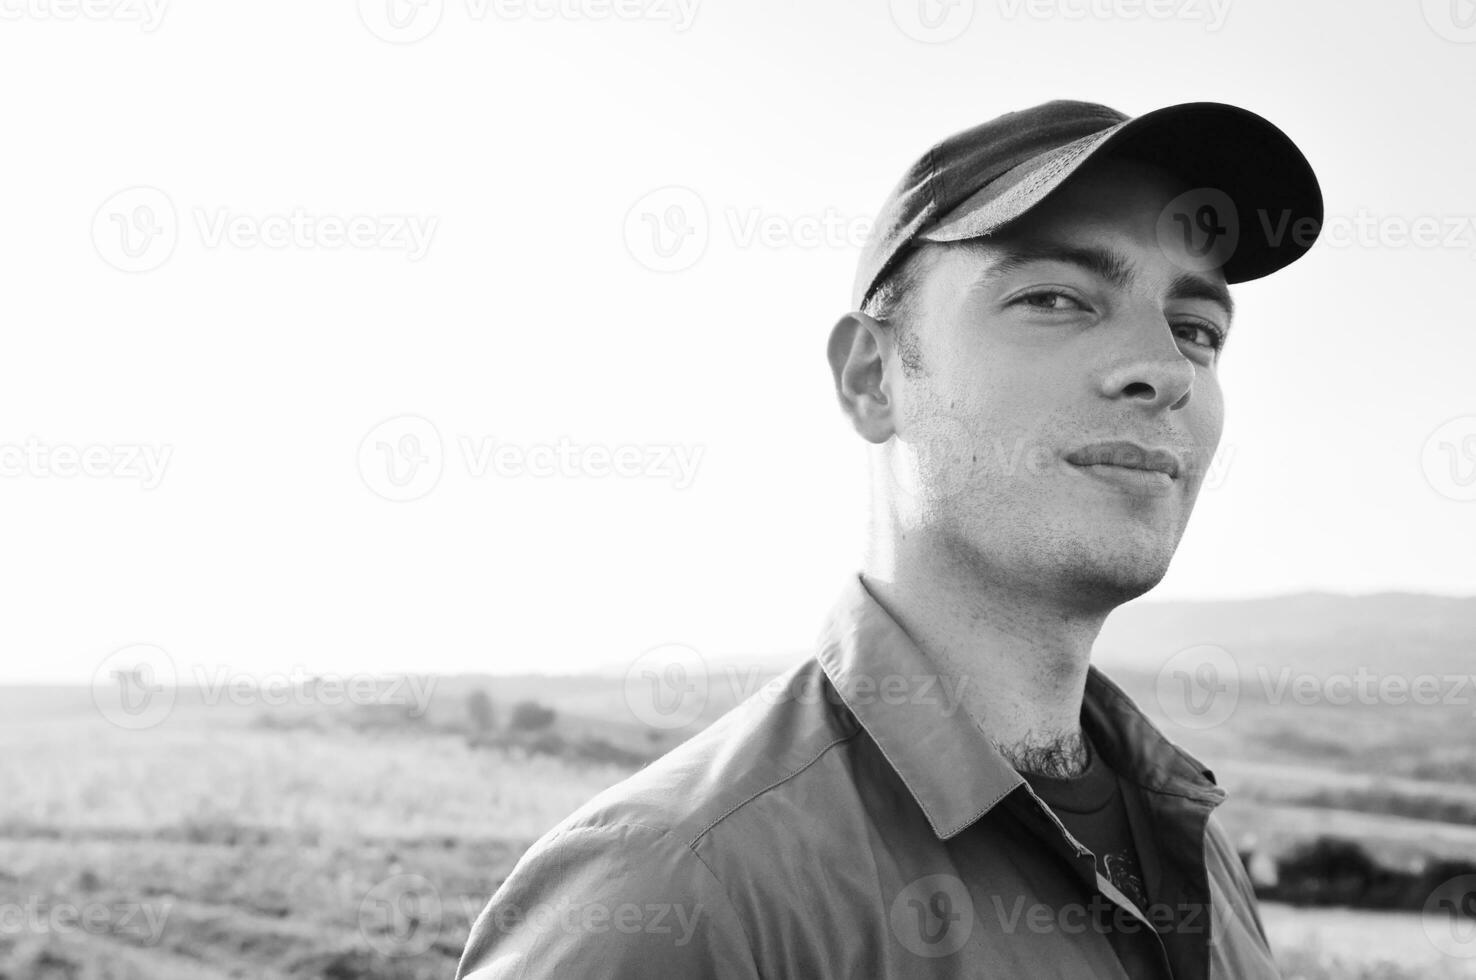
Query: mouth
point(1127, 455)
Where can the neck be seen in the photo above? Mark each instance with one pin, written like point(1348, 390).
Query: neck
point(1019, 651)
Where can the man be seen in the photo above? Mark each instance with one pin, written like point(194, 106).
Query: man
point(1032, 356)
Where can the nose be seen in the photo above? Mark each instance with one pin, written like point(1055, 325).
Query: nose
point(1151, 370)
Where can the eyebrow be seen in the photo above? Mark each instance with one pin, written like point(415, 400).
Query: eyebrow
point(1105, 264)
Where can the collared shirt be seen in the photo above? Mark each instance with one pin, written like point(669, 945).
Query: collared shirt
point(851, 820)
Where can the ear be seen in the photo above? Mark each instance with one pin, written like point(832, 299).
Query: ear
point(858, 360)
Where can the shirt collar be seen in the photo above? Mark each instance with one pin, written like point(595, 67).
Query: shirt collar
point(956, 775)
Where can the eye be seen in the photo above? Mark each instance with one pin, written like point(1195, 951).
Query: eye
point(1051, 300)
point(1200, 334)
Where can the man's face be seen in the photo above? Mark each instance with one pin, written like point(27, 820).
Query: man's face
point(1073, 326)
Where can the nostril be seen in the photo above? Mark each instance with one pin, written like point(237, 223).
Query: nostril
point(1139, 389)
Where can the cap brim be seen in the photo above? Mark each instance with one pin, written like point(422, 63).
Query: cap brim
point(1277, 202)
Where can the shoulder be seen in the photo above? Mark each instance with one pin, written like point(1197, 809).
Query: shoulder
point(654, 875)
point(608, 901)
point(778, 737)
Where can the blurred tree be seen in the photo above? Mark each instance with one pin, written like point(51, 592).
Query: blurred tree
point(528, 716)
point(479, 709)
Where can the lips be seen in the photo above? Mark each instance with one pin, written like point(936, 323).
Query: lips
point(1129, 455)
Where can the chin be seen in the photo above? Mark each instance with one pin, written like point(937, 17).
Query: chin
point(1099, 565)
point(1112, 568)
point(1088, 559)
point(1112, 584)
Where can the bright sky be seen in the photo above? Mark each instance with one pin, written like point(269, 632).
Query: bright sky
point(334, 230)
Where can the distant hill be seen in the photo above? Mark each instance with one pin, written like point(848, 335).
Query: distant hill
point(1389, 632)
point(1385, 633)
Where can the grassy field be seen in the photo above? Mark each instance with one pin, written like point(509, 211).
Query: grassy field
point(302, 843)
point(211, 846)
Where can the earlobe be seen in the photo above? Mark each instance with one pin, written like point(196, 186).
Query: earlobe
point(857, 352)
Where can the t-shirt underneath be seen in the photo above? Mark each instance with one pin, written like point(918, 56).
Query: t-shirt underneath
point(1092, 808)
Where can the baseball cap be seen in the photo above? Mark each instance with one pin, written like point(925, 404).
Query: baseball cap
point(1265, 205)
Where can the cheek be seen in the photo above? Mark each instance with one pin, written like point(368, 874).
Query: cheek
point(1209, 419)
point(1205, 423)
point(997, 405)
point(947, 440)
